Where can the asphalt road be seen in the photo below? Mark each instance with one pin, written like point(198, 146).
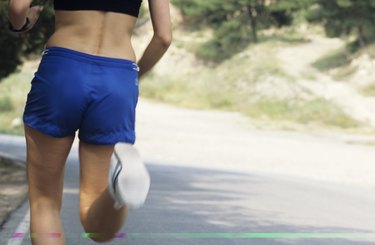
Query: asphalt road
point(219, 205)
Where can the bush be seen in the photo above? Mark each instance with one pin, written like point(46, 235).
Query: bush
point(6, 104)
point(10, 55)
point(235, 23)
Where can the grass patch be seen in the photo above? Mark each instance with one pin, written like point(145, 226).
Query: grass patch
point(254, 65)
point(334, 59)
point(233, 86)
point(286, 36)
point(313, 111)
point(369, 50)
point(309, 75)
point(368, 90)
point(5, 104)
point(318, 111)
point(183, 92)
point(219, 87)
point(13, 91)
point(344, 72)
point(341, 59)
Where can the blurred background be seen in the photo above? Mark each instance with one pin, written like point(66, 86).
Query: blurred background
point(277, 87)
point(240, 73)
point(285, 64)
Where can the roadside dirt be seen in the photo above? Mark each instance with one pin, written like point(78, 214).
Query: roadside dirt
point(13, 188)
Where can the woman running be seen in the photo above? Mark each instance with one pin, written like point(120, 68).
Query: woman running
point(87, 80)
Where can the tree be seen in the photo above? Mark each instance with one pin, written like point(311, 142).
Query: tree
point(343, 17)
point(235, 22)
point(9, 44)
point(14, 46)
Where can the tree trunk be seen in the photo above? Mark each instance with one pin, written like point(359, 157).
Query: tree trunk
point(361, 37)
point(253, 22)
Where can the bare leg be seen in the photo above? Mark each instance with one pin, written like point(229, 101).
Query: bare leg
point(46, 157)
point(96, 204)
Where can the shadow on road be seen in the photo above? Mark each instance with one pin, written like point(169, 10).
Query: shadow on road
point(190, 200)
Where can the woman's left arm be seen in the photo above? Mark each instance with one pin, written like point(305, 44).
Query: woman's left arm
point(19, 10)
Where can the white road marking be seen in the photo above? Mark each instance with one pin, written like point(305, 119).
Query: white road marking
point(22, 230)
point(71, 190)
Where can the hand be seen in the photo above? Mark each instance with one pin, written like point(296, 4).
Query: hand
point(33, 15)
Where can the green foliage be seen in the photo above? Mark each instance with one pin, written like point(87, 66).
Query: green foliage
point(242, 84)
point(318, 111)
point(10, 55)
point(43, 29)
point(333, 59)
point(230, 38)
point(6, 104)
point(235, 22)
point(15, 45)
point(368, 90)
point(345, 17)
point(13, 94)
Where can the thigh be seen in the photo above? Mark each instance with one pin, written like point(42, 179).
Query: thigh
point(46, 157)
point(94, 166)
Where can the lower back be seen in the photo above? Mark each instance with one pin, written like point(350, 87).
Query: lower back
point(94, 32)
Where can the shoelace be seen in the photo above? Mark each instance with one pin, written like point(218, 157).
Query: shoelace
point(115, 175)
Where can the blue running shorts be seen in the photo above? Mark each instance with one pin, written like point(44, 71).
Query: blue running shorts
point(95, 95)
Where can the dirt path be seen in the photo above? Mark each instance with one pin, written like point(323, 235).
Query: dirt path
point(302, 56)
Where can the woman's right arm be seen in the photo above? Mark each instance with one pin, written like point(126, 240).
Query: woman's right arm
point(18, 10)
point(162, 38)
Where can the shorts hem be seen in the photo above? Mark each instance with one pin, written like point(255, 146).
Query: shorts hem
point(46, 127)
point(110, 138)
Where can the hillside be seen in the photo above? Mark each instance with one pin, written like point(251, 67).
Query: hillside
point(294, 79)
point(276, 83)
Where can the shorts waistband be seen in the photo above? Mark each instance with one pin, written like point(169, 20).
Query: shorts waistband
point(77, 55)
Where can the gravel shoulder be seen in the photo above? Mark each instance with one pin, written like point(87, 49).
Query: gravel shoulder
point(13, 189)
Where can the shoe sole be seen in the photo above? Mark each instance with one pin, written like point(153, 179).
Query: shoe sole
point(133, 179)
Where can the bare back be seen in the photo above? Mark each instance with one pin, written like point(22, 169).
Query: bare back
point(94, 32)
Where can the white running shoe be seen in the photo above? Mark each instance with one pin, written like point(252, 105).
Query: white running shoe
point(129, 180)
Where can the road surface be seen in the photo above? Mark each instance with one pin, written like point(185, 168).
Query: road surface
point(193, 201)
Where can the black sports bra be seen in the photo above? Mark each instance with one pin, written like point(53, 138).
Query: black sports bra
point(130, 7)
